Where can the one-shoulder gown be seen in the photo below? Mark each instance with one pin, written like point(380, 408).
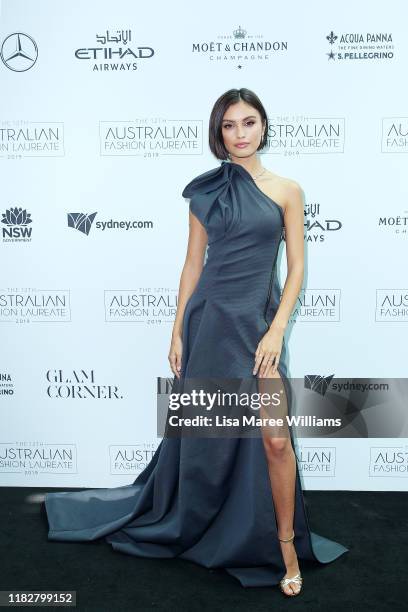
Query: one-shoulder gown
point(210, 500)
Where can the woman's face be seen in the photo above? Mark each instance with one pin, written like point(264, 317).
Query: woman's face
point(242, 129)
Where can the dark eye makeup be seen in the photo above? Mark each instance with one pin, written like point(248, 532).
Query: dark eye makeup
point(250, 122)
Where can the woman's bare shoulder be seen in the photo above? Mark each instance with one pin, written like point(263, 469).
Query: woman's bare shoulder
point(287, 190)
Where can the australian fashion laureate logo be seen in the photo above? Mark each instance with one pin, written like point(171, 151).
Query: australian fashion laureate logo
point(391, 305)
point(151, 136)
point(20, 138)
point(394, 135)
point(26, 304)
point(149, 305)
point(35, 458)
point(292, 135)
point(317, 305)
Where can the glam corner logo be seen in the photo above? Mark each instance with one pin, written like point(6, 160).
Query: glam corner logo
point(19, 52)
point(81, 221)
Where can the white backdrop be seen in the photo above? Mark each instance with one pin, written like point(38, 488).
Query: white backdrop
point(104, 109)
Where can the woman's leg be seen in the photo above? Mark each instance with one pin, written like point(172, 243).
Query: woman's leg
point(282, 472)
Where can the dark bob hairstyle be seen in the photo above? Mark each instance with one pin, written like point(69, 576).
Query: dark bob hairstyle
point(215, 137)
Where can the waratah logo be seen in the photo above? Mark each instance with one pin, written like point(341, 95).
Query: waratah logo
point(16, 216)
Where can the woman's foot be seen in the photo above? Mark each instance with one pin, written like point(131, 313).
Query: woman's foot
point(291, 583)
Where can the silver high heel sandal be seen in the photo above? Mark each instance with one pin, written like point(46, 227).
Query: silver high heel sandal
point(295, 579)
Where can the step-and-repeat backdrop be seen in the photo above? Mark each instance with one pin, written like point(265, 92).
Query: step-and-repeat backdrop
point(104, 119)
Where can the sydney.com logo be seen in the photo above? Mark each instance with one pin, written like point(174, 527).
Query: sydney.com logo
point(83, 223)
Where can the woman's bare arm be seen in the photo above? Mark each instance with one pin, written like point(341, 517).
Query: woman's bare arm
point(294, 238)
point(268, 351)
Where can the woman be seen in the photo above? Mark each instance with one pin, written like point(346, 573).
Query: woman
point(234, 503)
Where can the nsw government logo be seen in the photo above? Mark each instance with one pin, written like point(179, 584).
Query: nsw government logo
point(16, 226)
point(388, 461)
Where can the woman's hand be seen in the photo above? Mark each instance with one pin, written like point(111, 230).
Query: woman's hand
point(176, 350)
point(269, 348)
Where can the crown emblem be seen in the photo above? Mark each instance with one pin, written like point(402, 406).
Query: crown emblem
point(239, 33)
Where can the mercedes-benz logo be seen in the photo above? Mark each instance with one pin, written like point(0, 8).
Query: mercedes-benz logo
point(19, 52)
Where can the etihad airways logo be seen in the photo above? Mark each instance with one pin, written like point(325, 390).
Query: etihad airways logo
point(113, 53)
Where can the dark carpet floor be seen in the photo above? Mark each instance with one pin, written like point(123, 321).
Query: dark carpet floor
point(371, 576)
